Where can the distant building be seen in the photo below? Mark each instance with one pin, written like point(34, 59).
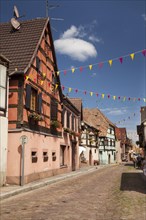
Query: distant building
point(107, 139)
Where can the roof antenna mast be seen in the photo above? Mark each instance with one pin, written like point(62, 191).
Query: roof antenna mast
point(47, 8)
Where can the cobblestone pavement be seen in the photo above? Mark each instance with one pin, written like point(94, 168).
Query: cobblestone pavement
point(113, 193)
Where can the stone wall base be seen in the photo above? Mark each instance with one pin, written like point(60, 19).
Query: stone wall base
point(15, 180)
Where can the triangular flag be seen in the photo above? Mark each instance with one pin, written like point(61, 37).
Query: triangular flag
point(108, 96)
point(42, 82)
point(69, 89)
point(124, 99)
point(121, 59)
point(85, 92)
point(114, 97)
point(73, 70)
point(119, 97)
point(81, 69)
point(100, 65)
point(97, 94)
point(90, 67)
point(132, 56)
point(138, 99)
point(103, 95)
point(144, 52)
point(27, 77)
point(49, 84)
point(91, 93)
point(129, 98)
point(58, 73)
point(144, 99)
point(110, 62)
point(63, 87)
point(65, 72)
point(76, 90)
point(56, 86)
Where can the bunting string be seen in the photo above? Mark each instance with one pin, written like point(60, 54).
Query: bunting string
point(100, 64)
point(86, 92)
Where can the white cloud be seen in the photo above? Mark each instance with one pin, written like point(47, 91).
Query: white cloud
point(144, 16)
point(72, 44)
point(76, 48)
point(95, 39)
point(115, 111)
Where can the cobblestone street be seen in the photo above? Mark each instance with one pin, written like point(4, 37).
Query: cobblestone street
point(112, 193)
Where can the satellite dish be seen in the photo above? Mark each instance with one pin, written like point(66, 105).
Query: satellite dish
point(15, 24)
point(16, 13)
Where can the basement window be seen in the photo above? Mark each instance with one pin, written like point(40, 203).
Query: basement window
point(45, 156)
point(53, 156)
point(34, 157)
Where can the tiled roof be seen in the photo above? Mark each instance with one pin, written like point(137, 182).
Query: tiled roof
point(95, 117)
point(121, 134)
point(77, 102)
point(19, 46)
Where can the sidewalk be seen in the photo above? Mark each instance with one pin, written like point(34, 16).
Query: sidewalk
point(12, 190)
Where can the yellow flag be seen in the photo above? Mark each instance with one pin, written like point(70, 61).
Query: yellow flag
point(144, 99)
point(110, 62)
point(114, 97)
point(90, 67)
point(124, 98)
point(103, 95)
point(27, 77)
point(73, 70)
point(91, 93)
point(42, 82)
point(69, 89)
point(132, 56)
point(58, 73)
point(56, 86)
point(44, 74)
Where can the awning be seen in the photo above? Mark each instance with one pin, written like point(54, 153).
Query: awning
point(81, 149)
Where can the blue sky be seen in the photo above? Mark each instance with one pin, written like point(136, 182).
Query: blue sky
point(94, 32)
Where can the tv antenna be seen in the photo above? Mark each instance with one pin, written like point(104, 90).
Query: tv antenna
point(14, 21)
point(47, 12)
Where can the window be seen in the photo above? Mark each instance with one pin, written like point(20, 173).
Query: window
point(73, 122)
point(34, 156)
point(62, 155)
point(53, 109)
point(53, 156)
point(33, 100)
point(45, 156)
point(68, 120)
point(38, 65)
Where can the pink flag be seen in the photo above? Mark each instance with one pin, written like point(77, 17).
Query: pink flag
point(108, 96)
point(63, 87)
point(144, 52)
point(100, 65)
point(121, 59)
point(76, 90)
point(81, 69)
point(65, 72)
point(85, 92)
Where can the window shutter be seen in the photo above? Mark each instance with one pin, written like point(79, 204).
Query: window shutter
point(62, 117)
point(28, 96)
point(39, 103)
point(37, 64)
point(54, 106)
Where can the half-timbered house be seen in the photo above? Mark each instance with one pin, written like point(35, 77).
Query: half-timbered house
point(34, 113)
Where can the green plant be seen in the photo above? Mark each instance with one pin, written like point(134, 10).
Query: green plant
point(55, 124)
point(35, 116)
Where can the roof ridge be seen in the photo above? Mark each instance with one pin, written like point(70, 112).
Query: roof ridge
point(38, 18)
